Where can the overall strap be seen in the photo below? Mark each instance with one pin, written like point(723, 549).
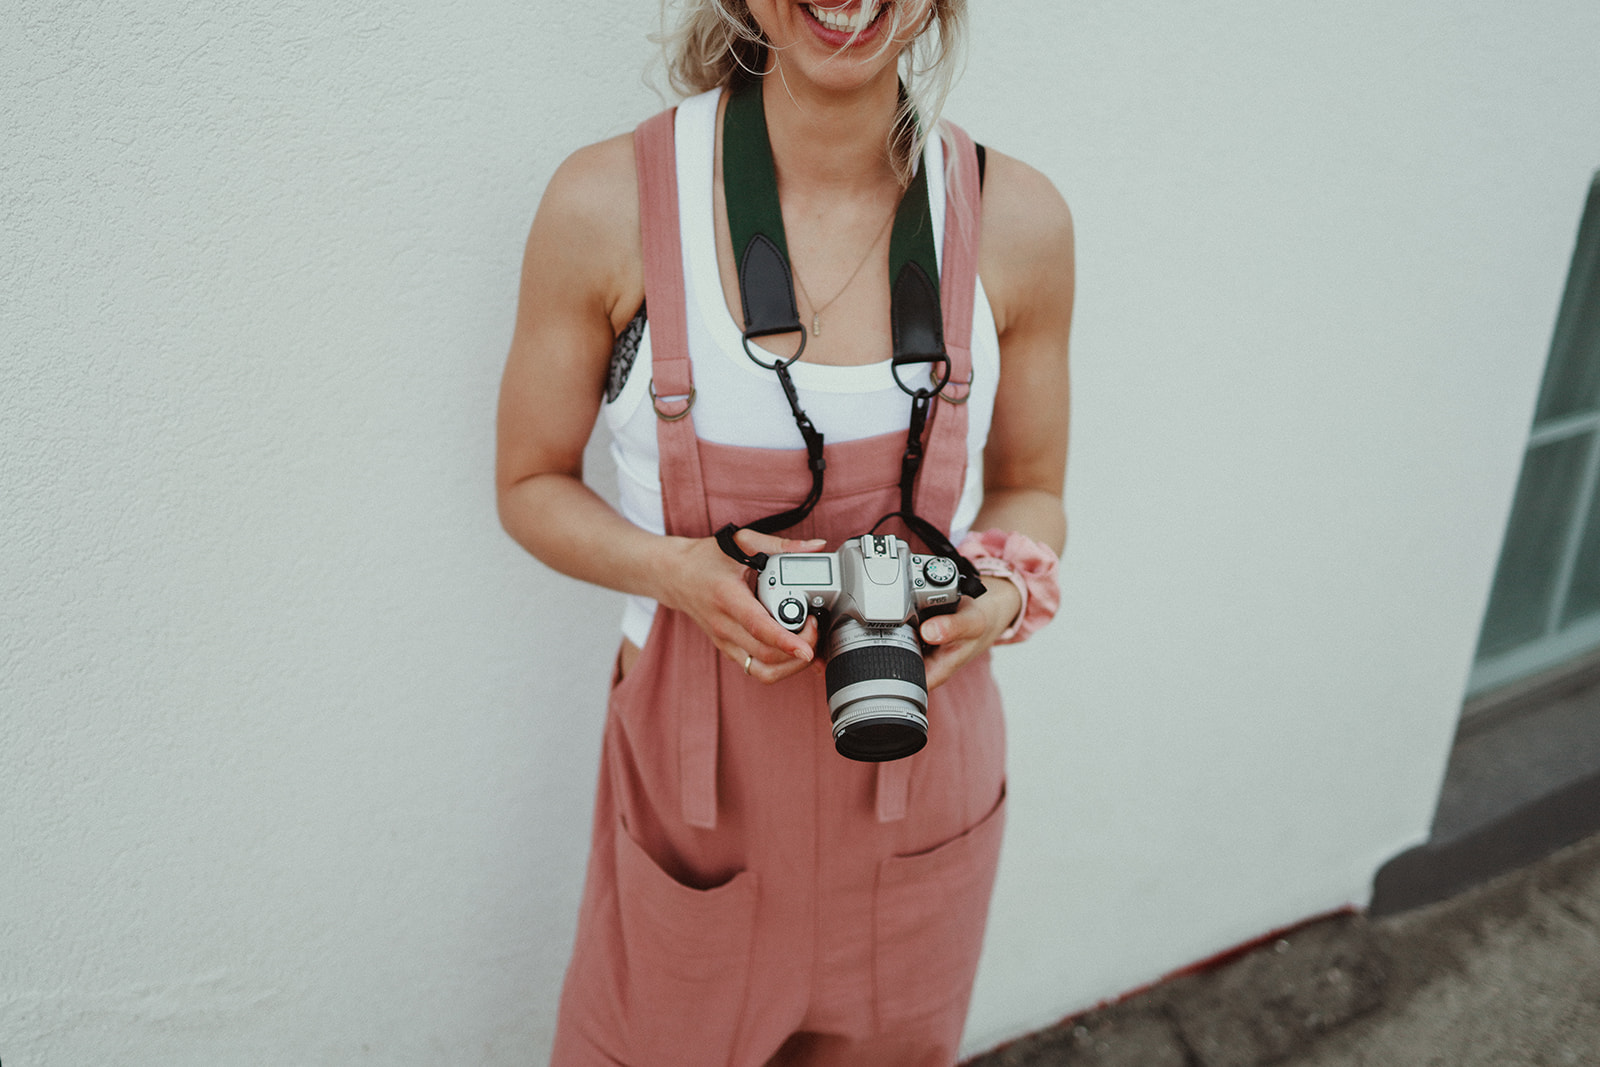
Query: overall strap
point(943, 472)
point(672, 380)
point(683, 493)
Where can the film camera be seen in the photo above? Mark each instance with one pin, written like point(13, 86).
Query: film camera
point(870, 596)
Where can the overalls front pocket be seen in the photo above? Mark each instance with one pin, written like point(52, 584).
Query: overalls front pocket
point(686, 959)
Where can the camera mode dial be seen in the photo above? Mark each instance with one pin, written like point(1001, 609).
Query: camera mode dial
point(791, 612)
point(939, 571)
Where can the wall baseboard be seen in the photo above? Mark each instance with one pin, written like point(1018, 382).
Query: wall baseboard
point(1523, 782)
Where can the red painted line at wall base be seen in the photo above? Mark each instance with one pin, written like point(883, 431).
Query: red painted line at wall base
point(1209, 963)
point(1227, 956)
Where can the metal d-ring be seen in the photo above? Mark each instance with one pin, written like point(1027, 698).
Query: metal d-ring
point(925, 392)
point(744, 339)
point(655, 402)
point(964, 397)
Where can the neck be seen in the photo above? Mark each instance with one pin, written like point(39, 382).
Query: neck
point(826, 140)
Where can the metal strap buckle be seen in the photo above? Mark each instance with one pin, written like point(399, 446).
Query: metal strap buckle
point(655, 402)
point(963, 396)
point(775, 362)
point(937, 380)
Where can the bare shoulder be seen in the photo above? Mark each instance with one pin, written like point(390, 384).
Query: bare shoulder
point(595, 179)
point(1023, 210)
point(1026, 256)
point(587, 227)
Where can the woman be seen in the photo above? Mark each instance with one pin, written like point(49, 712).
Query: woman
point(752, 896)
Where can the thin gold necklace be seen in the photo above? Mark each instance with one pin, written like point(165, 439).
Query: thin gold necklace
point(816, 311)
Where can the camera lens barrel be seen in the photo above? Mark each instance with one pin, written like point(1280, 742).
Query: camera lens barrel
point(877, 691)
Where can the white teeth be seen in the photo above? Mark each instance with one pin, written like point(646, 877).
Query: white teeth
point(846, 22)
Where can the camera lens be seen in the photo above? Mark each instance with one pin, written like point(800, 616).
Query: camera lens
point(877, 691)
point(878, 738)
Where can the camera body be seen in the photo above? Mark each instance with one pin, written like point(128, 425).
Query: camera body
point(871, 594)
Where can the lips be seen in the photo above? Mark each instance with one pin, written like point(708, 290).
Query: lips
point(841, 22)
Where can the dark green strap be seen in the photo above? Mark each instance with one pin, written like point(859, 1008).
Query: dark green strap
point(749, 180)
point(911, 241)
point(755, 220)
point(755, 226)
point(766, 295)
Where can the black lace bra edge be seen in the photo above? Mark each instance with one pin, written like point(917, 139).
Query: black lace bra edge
point(624, 350)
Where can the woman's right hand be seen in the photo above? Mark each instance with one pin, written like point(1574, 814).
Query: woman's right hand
point(714, 590)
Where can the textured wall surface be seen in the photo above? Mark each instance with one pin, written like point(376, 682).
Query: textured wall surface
point(298, 747)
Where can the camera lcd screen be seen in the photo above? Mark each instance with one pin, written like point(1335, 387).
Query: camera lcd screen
point(810, 571)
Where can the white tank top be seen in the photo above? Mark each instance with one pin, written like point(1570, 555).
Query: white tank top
point(739, 403)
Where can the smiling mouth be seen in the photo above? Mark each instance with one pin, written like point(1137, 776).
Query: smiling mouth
point(840, 21)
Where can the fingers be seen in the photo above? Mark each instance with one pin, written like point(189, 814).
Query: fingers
point(944, 661)
point(782, 651)
point(753, 542)
point(727, 609)
point(768, 664)
point(792, 665)
point(716, 593)
point(939, 668)
point(976, 620)
point(962, 625)
point(773, 638)
point(962, 635)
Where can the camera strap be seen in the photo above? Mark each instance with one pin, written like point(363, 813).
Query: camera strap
point(766, 295)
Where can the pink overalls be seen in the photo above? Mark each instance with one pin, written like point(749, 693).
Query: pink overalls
point(746, 884)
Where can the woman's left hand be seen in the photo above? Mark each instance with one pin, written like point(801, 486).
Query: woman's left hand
point(970, 629)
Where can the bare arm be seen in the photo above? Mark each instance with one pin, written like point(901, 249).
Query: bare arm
point(1026, 261)
point(582, 279)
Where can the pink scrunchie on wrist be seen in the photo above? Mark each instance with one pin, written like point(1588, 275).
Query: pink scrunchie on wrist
point(1031, 567)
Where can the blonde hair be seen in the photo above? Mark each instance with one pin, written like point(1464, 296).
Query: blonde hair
point(717, 42)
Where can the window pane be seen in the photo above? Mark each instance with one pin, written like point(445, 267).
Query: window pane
point(1572, 380)
point(1519, 605)
point(1583, 597)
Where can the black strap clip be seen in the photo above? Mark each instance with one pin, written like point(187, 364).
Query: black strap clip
point(731, 549)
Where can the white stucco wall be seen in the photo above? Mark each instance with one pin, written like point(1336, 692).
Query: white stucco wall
point(298, 748)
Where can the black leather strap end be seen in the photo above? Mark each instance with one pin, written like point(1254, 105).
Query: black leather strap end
point(917, 319)
point(766, 289)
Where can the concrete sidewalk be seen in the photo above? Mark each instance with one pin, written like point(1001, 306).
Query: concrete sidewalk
point(1504, 975)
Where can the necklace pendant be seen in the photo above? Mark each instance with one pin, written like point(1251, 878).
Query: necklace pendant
point(816, 325)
